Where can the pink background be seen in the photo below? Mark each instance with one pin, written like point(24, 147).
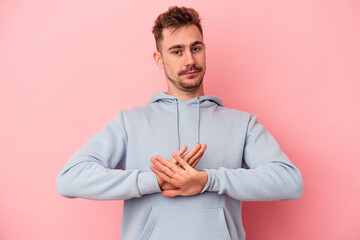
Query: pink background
point(67, 67)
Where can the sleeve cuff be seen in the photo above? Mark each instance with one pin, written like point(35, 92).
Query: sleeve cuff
point(147, 183)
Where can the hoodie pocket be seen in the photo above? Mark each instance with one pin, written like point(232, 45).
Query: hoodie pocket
point(185, 223)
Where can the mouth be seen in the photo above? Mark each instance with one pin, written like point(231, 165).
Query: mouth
point(190, 73)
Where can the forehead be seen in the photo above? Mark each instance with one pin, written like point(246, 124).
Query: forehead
point(181, 36)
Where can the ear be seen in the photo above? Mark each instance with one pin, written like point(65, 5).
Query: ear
point(158, 59)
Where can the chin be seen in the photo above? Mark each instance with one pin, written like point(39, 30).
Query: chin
point(191, 87)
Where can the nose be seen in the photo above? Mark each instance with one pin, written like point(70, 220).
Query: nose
point(189, 59)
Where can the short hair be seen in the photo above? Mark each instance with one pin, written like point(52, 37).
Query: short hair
point(175, 17)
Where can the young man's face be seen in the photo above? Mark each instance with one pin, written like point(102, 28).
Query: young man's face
point(182, 57)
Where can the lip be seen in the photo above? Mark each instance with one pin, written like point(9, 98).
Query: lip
point(191, 73)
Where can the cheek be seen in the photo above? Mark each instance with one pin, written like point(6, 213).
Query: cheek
point(204, 57)
point(201, 59)
point(172, 66)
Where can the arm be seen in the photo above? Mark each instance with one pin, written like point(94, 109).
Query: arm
point(271, 175)
point(96, 170)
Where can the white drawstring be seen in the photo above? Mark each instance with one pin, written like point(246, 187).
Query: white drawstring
point(198, 120)
point(177, 124)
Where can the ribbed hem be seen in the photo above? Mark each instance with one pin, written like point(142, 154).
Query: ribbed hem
point(147, 183)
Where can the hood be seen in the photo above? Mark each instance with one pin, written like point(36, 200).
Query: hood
point(198, 102)
point(204, 101)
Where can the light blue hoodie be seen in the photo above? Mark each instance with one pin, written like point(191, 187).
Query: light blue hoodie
point(242, 160)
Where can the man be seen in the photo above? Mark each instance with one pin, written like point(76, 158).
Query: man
point(196, 195)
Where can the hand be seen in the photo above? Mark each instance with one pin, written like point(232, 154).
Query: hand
point(188, 180)
point(192, 157)
point(165, 185)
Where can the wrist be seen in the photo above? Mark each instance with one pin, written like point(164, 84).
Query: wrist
point(203, 178)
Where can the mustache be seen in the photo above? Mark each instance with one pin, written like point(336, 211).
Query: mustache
point(190, 68)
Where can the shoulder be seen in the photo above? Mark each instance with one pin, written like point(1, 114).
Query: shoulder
point(136, 114)
point(235, 113)
point(136, 111)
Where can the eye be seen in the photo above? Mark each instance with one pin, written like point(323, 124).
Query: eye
point(176, 52)
point(196, 49)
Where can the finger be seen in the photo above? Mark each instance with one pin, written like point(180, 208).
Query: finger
point(192, 152)
point(181, 152)
point(172, 193)
point(162, 168)
point(198, 155)
point(193, 165)
point(183, 163)
point(160, 174)
point(194, 162)
point(169, 165)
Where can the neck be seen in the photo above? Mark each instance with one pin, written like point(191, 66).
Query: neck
point(186, 95)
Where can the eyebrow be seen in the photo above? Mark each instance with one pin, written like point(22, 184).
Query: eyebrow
point(196, 43)
point(176, 46)
point(183, 46)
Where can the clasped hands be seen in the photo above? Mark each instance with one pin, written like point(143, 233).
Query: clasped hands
point(179, 176)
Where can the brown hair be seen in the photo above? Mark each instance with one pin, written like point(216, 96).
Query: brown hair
point(174, 18)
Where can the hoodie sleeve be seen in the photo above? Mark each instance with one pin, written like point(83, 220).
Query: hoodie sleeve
point(96, 170)
point(271, 175)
